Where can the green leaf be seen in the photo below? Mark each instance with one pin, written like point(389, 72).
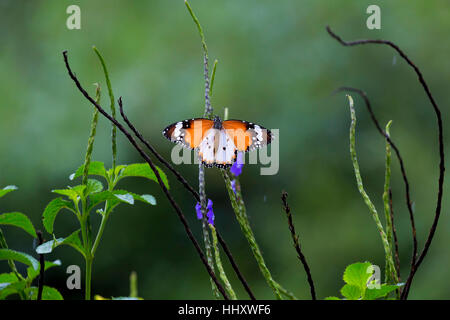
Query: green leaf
point(332, 298)
point(48, 293)
point(356, 274)
point(96, 168)
point(52, 210)
point(70, 193)
point(7, 189)
point(48, 264)
point(143, 170)
point(94, 186)
point(146, 198)
point(72, 240)
point(6, 279)
point(12, 288)
point(372, 294)
point(8, 254)
point(118, 169)
point(115, 197)
point(128, 198)
point(351, 292)
point(18, 219)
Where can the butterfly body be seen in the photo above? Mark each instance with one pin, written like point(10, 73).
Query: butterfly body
point(217, 141)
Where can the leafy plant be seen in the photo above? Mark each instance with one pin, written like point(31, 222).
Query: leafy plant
point(92, 195)
point(359, 284)
point(14, 282)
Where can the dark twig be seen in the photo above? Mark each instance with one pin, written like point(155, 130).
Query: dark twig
point(42, 267)
point(152, 166)
point(394, 233)
point(301, 256)
point(194, 193)
point(441, 150)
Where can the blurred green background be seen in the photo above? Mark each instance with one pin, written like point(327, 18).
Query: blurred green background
point(277, 67)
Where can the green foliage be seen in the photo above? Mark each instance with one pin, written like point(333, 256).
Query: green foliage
point(358, 285)
point(19, 220)
point(83, 199)
point(48, 293)
point(72, 240)
point(8, 254)
point(6, 190)
point(53, 208)
point(13, 282)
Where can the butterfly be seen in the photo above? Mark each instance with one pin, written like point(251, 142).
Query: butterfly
point(217, 141)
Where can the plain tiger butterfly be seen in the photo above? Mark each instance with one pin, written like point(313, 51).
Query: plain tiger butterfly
point(217, 141)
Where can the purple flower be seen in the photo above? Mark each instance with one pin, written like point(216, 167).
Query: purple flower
point(233, 186)
point(236, 168)
point(209, 212)
point(198, 209)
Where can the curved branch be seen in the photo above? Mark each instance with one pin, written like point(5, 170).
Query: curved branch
point(152, 166)
point(441, 149)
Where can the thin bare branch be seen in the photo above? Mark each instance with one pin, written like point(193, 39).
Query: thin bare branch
point(294, 235)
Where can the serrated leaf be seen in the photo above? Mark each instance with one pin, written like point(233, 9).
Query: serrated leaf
point(70, 193)
point(351, 292)
point(94, 186)
point(372, 294)
point(52, 210)
point(72, 240)
point(96, 168)
point(8, 254)
point(97, 198)
point(356, 274)
point(7, 189)
point(48, 293)
point(143, 170)
point(19, 220)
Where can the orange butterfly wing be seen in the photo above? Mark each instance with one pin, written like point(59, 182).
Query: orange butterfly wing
point(247, 135)
point(188, 133)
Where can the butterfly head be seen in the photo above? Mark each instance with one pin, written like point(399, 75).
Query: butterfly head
point(217, 122)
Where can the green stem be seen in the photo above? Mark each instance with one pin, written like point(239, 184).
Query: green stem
point(90, 146)
point(372, 209)
point(133, 285)
point(241, 215)
point(213, 77)
point(88, 277)
point(222, 274)
point(390, 273)
point(206, 239)
point(113, 109)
